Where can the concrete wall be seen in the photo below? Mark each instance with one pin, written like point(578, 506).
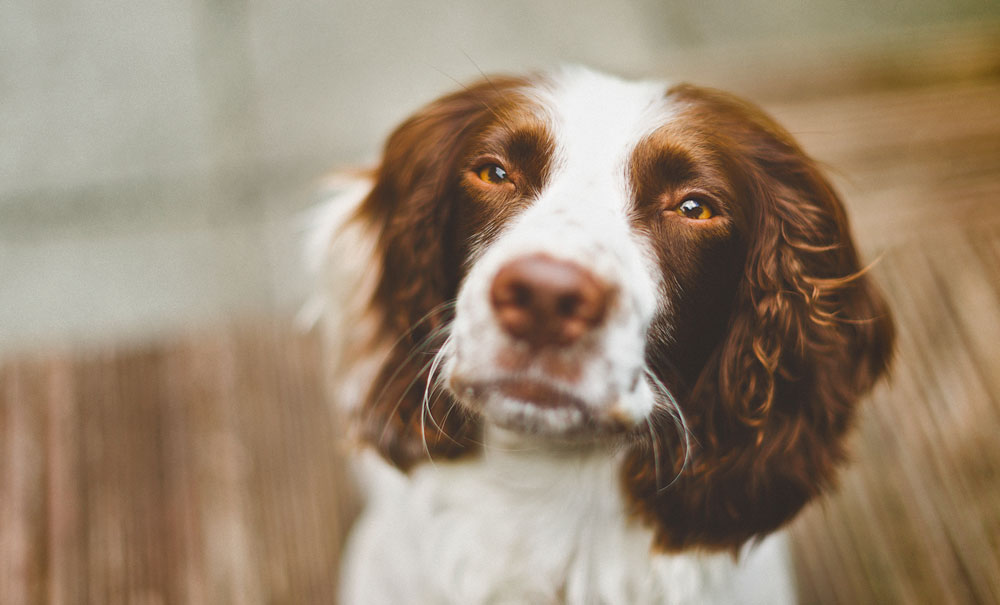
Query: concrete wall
point(155, 154)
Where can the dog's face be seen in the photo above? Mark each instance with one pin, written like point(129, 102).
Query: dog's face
point(600, 218)
point(579, 257)
point(562, 284)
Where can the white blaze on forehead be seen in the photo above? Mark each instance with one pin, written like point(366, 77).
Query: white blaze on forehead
point(599, 119)
point(596, 122)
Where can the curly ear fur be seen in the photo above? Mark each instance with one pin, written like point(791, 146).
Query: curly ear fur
point(808, 336)
point(412, 207)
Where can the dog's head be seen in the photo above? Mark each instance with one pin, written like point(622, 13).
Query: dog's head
point(578, 258)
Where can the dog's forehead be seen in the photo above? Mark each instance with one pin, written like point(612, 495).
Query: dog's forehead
point(599, 119)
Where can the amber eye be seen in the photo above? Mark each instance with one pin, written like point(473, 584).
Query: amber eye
point(493, 174)
point(694, 209)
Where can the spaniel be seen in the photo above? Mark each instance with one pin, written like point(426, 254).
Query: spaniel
point(599, 338)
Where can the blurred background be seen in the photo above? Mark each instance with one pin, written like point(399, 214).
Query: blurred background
point(163, 435)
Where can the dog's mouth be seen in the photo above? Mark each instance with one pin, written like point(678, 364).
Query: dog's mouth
point(537, 406)
point(539, 394)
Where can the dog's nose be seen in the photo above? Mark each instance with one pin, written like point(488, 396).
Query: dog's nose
point(544, 301)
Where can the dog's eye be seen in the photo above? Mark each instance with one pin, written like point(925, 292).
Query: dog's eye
point(494, 174)
point(694, 209)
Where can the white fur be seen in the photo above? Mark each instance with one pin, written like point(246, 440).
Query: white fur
point(580, 216)
point(342, 255)
point(528, 524)
point(528, 521)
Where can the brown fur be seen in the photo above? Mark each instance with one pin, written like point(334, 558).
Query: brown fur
point(777, 336)
point(769, 400)
point(427, 219)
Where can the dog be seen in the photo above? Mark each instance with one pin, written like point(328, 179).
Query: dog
point(599, 340)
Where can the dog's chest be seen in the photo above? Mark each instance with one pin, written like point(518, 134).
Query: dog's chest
point(517, 528)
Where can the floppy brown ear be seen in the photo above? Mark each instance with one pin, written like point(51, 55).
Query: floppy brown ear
point(412, 209)
point(809, 335)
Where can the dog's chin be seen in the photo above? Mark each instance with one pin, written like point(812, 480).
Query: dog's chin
point(534, 407)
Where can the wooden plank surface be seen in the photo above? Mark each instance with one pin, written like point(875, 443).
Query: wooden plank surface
point(207, 469)
point(917, 518)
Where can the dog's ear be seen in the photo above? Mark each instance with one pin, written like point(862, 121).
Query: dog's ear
point(809, 336)
point(412, 210)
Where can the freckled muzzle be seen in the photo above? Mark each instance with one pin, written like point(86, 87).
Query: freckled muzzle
point(543, 355)
point(551, 325)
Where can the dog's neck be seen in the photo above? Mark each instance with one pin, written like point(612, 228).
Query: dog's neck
point(526, 520)
point(550, 470)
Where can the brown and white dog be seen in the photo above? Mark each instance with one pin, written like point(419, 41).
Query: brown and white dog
point(604, 336)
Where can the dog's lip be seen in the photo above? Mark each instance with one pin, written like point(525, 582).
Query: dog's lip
point(532, 391)
point(539, 394)
point(543, 396)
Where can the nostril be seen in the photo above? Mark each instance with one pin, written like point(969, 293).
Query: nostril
point(521, 295)
point(567, 305)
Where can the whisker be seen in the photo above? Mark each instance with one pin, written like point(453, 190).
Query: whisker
point(481, 72)
point(440, 387)
point(477, 97)
point(425, 403)
point(446, 305)
point(423, 435)
point(447, 414)
point(423, 431)
point(680, 423)
point(416, 350)
point(656, 453)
